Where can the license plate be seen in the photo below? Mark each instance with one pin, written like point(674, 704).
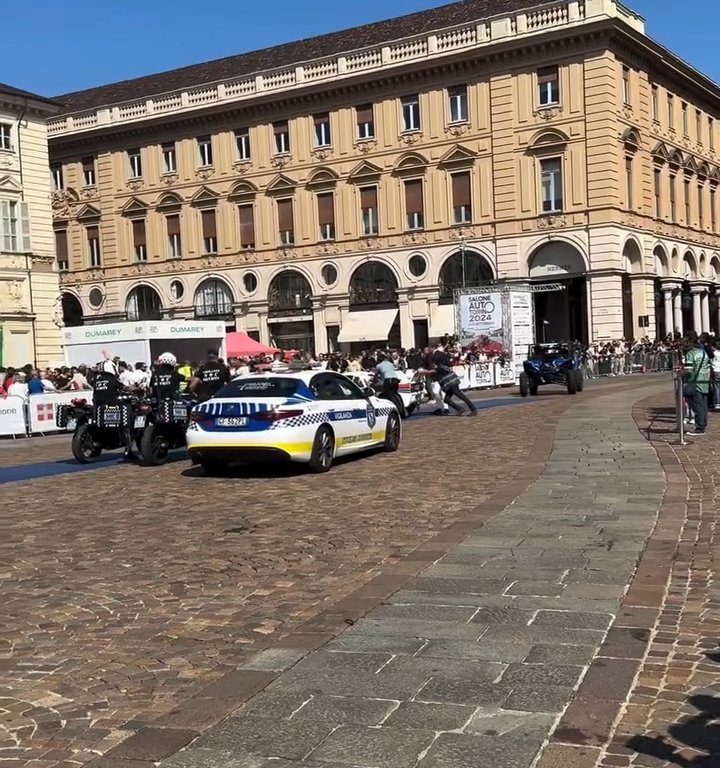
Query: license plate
point(179, 412)
point(139, 422)
point(71, 425)
point(231, 421)
point(111, 417)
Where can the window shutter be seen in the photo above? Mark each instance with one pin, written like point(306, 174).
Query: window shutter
point(547, 75)
point(5, 225)
point(285, 215)
point(247, 225)
point(93, 233)
point(25, 227)
point(173, 225)
point(368, 197)
point(413, 196)
point(461, 189)
point(280, 128)
point(138, 227)
point(365, 114)
point(209, 228)
point(61, 245)
point(326, 209)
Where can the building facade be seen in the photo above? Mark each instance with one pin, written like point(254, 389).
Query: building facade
point(30, 311)
point(321, 193)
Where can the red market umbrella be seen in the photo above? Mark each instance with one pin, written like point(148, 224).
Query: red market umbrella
point(239, 344)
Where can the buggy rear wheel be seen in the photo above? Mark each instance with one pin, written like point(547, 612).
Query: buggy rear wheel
point(580, 380)
point(571, 382)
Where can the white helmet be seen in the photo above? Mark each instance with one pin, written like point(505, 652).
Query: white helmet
point(110, 367)
point(167, 358)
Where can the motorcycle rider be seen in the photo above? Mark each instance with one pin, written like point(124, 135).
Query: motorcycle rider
point(165, 380)
point(107, 390)
point(209, 377)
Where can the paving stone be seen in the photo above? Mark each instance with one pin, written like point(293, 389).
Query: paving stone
point(395, 646)
point(451, 750)
point(342, 710)
point(384, 685)
point(509, 615)
point(569, 756)
point(572, 619)
point(266, 736)
point(430, 717)
point(154, 744)
point(535, 635)
point(545, 588)
point(541, 674)
point(493, 721)
point(195, 757)
point(424, 613)
point(374, 747)
point(417, 628)
point(471, 692)
point(570, 655)
point(407, 596)
point(478, 651)
point(274, 659)
point(530, 698)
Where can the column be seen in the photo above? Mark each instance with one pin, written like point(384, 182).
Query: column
point(705, 311)
point(263, 328)
point(668, 310)
point(697, 314)
point(677, 313)
point(319, 329)
point(407, 334)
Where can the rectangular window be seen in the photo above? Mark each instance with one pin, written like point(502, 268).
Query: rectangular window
point(247, 226)
point(414, 204)
point(671, 111)
point(172, 224)
point(551, 184)
point(322, 130)
point(629, 182)
point(461, 201)
point(58, 180)
point(411, 113)
point(657, 187)
point(61, 250)
point(134, 164)
point(365, 122)
point(458, 104)
point(369, 211)
point(93, 246)
point(655, 103)
point(684, 109)
point(14, 226)
point(209, 231)
point(242, 144)
point(711, 133)
point(686, 185)
point(139, 240)
point(282, 137)
point(713, 209)
point(698, 126)
point(700, 205)
point(326, 215)
point(204, 152)
point(548, 86)
point(673, 198)
point(626, 85)
point(169, 158)
point(88, 171)
point(6, 136)
point(286, 222)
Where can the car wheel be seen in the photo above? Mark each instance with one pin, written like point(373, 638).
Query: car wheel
point(323, 450)
point(153, 446)
point(392, 433)
point(524, 385)
point(571, 382)
point(84, 447)
point(580, 380)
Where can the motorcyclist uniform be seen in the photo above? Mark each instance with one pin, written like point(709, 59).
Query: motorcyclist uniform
point(165, 382)
point(212, 376)
point(107, 390)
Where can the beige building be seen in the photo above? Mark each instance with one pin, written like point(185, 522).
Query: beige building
point(30, 313)
point(339, 189)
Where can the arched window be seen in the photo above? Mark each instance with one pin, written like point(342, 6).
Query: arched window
point(373, 283)
point(143, 303)
point(458, 271)
point(289, 294)
point(72, 310)
point(213, 299)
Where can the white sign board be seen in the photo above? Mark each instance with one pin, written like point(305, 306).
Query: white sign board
point(42, 408)
point(12, 416)
point(522, 327)
point(480, 318)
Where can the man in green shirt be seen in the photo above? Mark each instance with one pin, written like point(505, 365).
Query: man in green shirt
point(696, 375)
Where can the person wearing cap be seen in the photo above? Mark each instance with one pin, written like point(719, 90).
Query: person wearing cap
point(165, 380)
point(107, 390)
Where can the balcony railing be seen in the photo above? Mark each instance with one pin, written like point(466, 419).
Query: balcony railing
point(413, 49)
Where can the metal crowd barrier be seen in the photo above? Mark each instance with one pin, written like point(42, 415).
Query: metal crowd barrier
point(633, 362)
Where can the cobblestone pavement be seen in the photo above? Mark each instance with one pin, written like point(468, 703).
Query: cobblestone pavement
point(471, 663)
point(671, 714)
point(126, 590)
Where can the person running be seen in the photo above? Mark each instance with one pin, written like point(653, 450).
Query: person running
point(441, 369)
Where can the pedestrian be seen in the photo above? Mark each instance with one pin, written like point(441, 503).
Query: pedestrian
point(715, 377)
point(449, 381)
point(696, 375)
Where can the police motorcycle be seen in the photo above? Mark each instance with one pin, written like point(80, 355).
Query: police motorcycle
point(166, 418)
point(110, 422)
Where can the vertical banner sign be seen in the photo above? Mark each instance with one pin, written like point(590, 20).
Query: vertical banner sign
point(523, 326)
point(480, 318)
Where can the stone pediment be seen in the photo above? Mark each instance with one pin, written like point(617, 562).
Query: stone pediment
point(135, 207)
point(169, 200)
point(411, 162)
point(88, 212)
point(458, 156)
point(243, 189)
point(204, 196)
point(365, 171)
point(281, 184)
point(322, 177)
point(8, 184)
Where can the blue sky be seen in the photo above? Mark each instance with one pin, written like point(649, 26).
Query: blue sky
point(81, 43)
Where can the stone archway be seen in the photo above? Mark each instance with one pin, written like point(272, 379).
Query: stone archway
point(143, 303)
point(463, 270)
point(290, 317)
point(560, 315)
point(72, 311)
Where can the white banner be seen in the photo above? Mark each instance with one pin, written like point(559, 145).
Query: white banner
point(504, 374)
point(482, 375)
point(480, 318)
point(12, 416)
point(41, 409)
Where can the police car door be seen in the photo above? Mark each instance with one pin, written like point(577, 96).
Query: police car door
point(364, 415)
point(339, 409)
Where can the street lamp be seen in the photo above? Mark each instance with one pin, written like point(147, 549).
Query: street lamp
point(462, 256)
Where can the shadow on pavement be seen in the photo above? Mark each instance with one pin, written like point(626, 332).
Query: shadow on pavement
point(699, 732)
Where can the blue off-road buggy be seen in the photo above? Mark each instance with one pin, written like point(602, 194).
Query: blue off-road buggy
point(551, 364)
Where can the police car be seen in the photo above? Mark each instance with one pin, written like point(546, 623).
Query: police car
point(310, 417)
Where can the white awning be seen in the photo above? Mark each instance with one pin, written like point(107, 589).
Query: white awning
point(372, 325)
point(442, 322)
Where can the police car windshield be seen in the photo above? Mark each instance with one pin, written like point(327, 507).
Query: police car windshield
point(276, 386)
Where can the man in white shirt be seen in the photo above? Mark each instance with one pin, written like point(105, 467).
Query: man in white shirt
point(140, 376)
point(127, 376)
point(18, 388)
